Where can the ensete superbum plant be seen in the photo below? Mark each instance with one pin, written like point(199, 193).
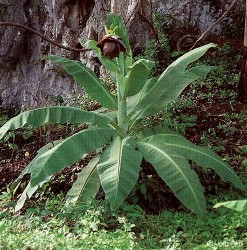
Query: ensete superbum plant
point(111, 128)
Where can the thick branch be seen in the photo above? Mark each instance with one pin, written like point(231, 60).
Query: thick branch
point(43, 36)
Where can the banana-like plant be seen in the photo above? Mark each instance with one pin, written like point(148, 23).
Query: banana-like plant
point(112, 132)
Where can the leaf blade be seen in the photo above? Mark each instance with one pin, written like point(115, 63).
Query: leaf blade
point(69, 151)
point(85, 77)
point(53, 114)
point(87, 184)
point(237, 205)
point(177, 174)
point(174, 79)
point(137, 75)
point(30, 190)
point(200, 155)
point(118, 170)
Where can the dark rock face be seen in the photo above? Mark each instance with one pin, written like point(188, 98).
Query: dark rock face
point(27, 81)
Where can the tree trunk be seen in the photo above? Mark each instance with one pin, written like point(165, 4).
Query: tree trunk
point(114, 6)
point(242, 87)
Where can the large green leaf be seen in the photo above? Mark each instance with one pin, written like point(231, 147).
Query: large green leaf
point(132, 101)
point(55, 114)
point(176, 173)
point(174, 89)
point(86, 185)
point(195, 73)
point(31, 165)
point(69, 151)
point(137, 75)
point(29, 190)
point(237, 205)
point(202, 156)
point(95, 88)
point(174, 79)
point(118, 170)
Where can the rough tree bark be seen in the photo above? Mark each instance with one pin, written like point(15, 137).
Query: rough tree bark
point(243, 75)
point(26, 81)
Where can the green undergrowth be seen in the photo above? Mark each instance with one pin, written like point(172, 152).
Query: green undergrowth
point(51, 226)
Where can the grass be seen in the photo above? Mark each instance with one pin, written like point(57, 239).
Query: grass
point(52, 226)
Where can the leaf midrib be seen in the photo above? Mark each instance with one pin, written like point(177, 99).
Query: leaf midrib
point(195, 150)
point(166, 155)
point(119, 161)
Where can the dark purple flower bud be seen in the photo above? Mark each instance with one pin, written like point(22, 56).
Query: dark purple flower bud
point(111, 46)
